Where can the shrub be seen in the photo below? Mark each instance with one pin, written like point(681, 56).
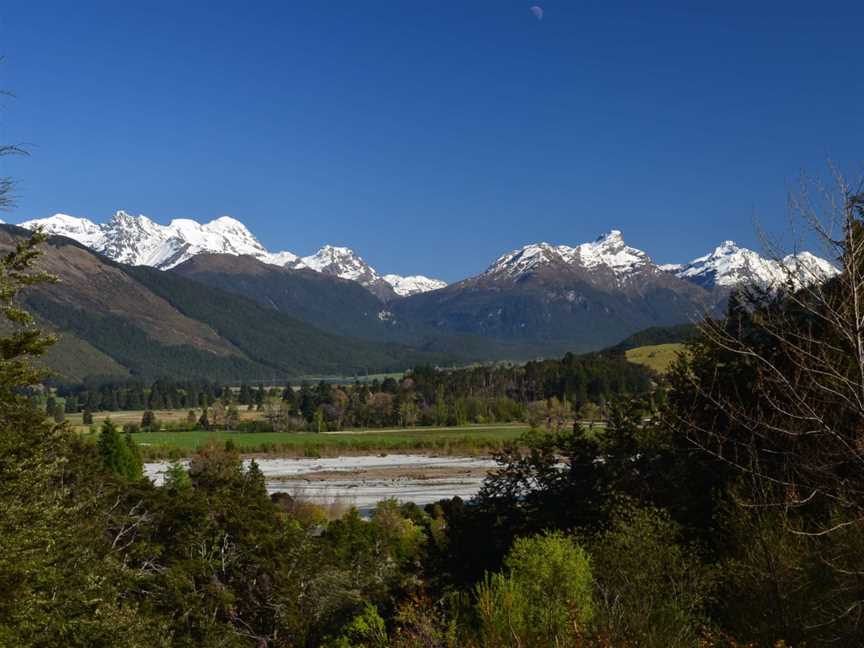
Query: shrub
point(544, 596)
point(651, 589)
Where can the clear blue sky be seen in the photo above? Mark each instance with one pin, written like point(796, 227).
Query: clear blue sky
point(433, 136)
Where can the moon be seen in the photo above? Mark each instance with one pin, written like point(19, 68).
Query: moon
point(537, 10)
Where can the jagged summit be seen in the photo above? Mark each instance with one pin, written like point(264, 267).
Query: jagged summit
point(730, 265)
point(609, 251)
point(138, 240)
point(607, 261)
point(343, 262)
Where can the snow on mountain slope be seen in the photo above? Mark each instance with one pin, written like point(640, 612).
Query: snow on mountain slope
point(137, 240)
point(82, 230)
point(730, 265)
point(285, 259)
point(526, 260)
point(727, 266)
point(343, 262)
point(413, 285)
point(608, 252)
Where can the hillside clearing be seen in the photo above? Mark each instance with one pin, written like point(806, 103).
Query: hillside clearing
point(658, 357)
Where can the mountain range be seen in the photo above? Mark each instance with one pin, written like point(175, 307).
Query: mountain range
point(340, 315)
point(137, 240)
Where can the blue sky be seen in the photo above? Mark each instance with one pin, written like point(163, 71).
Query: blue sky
point(433, 136)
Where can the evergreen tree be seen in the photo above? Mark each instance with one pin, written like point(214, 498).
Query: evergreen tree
point(119, 454)
point(177, 477)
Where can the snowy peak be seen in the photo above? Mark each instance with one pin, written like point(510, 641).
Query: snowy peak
point(731, 266)
point(611, 251)
point(344, 263)
point(607, 253)
point(527, 260)
point(82, 230)
point(138, 240)
point(341, 262)
point(413, 285)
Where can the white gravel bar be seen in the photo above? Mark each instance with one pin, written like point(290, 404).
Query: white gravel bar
point(405, 481)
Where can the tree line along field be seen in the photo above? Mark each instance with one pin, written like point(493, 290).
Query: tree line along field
point(468, 440)
point(583, 386)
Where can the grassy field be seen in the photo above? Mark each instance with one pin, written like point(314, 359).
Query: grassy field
point(466, 440)
point(658, 357)
point(134, 416)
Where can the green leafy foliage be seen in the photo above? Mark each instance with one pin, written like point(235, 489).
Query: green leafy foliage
point(544, 598)
point(652, 589)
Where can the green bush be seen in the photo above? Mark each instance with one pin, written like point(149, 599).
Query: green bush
point(651, 589)
point(543, 598)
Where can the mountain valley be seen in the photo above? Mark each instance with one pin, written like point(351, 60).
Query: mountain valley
point(260, 306)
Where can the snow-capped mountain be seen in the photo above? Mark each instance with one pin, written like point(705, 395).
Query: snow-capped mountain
point(341, 262)
point(730, 266)
point(413, 285)
point(345, 263)
point(82, 230)
point(608, 254)
point(137, 240)
point(582, 296)
point(609, 257)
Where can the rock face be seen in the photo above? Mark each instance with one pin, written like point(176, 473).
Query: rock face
point(578, 298)
point(137, 240)
point(344, 263)
point(589, 295)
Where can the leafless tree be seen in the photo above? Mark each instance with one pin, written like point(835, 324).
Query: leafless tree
point(776, 388)
point(7, 200)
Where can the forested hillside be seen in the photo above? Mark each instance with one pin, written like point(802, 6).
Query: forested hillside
point(144, 322)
